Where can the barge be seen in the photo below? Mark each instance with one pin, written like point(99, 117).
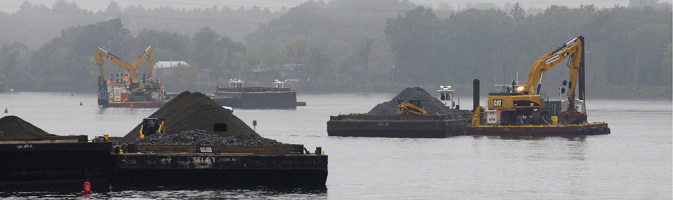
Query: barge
point(237, 96)
point(64, 163)
point(219, 166)
point(570, 130)
point(54, 163)
point(400, 126)
point(440, 126)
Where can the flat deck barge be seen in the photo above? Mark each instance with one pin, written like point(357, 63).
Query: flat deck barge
point(237, 96)
point(256, 98)
point(411, 126)
point(219, 166)
point(54, 163)
point(64, 163)
point(402, 126)
point(570, 130)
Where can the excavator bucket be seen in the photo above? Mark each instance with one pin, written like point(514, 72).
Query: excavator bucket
point(567, 117)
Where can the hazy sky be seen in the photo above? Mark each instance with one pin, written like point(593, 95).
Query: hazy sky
point(95, 5)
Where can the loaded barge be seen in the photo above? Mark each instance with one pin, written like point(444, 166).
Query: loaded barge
point(64, 163)
point(237, 96)
point(517, 110)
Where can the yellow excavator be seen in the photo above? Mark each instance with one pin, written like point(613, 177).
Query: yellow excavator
point(524, 104)
point(151, 126)
point(150, 84)
point(413, 107)
point(138, 91)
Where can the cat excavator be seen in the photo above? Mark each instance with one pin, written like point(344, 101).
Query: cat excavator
point(151, 126)
point(524, 105)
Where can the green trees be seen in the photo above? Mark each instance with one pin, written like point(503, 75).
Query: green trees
point(517, 12)
point(623, 45)
point(349, 45)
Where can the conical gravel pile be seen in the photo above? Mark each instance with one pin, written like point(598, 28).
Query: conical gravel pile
point(13, 126)
point(431, 104)
point(189, 111)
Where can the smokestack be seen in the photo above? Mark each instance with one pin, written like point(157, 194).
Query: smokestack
point(475, 94)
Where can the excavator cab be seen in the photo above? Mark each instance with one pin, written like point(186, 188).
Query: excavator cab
point(151, 126)
point(413, 107)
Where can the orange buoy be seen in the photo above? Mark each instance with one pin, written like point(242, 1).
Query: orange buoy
point(87, 188)
point(131, 105)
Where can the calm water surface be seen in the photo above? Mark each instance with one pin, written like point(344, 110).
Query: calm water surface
point(634, 162)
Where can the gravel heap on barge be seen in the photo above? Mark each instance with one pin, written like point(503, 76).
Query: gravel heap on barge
point(430, 103)
point(189, 111)
point(202, 137)
point(13, 126)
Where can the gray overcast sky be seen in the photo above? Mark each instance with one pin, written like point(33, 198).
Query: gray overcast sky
point(95, 5)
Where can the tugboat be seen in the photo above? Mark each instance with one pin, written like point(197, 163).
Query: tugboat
point(446, 97)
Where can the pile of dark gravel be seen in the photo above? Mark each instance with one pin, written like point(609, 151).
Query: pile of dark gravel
point(13, 126)
point(202, 137)
point(430, 103)
point(189, 111)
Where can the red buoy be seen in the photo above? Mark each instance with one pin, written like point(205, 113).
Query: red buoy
point(72, 94)
point(87, 188)
point(131, 105)
point(80, 103)
point(5, 110)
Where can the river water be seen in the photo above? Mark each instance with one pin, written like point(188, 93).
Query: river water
point(633, 162)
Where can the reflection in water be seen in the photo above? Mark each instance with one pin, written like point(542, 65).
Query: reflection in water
point(183, 193)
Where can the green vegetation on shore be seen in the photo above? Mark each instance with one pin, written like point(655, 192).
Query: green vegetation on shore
point(346, 47)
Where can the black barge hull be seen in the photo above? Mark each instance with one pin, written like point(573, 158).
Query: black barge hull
point(219, 170)
point(405, 126)
point(402, 126)
point(55, 166)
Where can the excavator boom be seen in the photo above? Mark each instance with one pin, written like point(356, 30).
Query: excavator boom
point(573, 49)
point(149, 56)
point(102, 53)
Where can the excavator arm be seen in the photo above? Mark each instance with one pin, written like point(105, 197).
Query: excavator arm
point(149, 56)
point(573, 49)
point(102, 53)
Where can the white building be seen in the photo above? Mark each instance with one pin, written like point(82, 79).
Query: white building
point(164, 69)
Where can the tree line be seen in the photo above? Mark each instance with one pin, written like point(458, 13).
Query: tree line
point(348, 45)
